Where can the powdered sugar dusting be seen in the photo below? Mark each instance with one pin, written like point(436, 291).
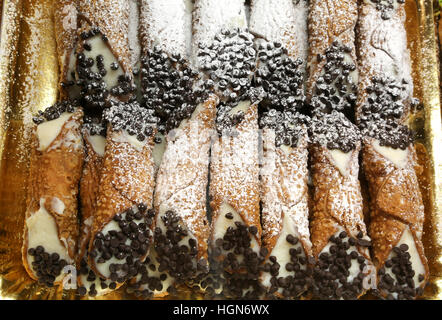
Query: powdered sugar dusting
point(165, 23)
point(182, 177)
point(383, 47)
point(284, 186)
point(234, 168)
point(211, 16)
point(112, 17)
point(134, 41)
point(282, 22)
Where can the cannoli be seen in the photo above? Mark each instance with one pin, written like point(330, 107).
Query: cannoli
point(339, 236)
point(187, 116)
point(389, 158)
point(225, 53)
point(104, 69)
point(282, 53)
point(284, 198)
point(65, 20)
point(383, 52)
point(122, 226)
point(333, 76)
point(94, 136)
point(51, 226)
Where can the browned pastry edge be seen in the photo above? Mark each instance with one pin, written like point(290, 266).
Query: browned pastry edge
point(65, 37)
point(112, 17)
point(56, 173)
point(328, 21)
point(396, 202)
point(223, 190)
point(328, 182)
point(202, 230)
point(89, 183)
point(122, 162)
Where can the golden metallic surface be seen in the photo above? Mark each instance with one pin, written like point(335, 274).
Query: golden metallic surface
point(28, 82)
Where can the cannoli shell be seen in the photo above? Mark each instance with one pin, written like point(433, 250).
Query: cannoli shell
point(182, 176)
point(127, 179)
point(56, 172)
point(234, 172)
point(337, 199)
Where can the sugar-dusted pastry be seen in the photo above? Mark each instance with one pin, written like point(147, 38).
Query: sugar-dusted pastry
point(121, 228)
point(134, 44)
point(65, 20)
point(281, 31)
point(51, 226)
point(104, 68)
point(388, 155)
point(187, 115)
point(94, 137)
point(340, 242)
point(284, 198)
point(224, 51)
point(333, 76)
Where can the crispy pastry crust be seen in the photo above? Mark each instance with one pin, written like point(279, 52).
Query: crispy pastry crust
point(127, 179)
point(337, 199)
point(65, 20)
point(284, 192)
point(56, 172)
point(328, 21)
point(396, 203)
point(235, 174)
point(382, 50)
point(90, 180)
point(112, 17)
point(182, 176)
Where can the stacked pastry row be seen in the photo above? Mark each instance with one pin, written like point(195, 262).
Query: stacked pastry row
point(188, 133)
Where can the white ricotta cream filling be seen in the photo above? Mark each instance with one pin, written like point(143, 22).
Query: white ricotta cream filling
point(398, 156)
point(281, 251)
point(100, 47)
point(418, 266)
point(222, 224)
point(42, 231)
point(242, 106)
point(98, 143)
point(49, 130)
point(341, 160)
point(124, 136)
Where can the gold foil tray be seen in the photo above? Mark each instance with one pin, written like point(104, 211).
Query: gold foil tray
point(28, 82)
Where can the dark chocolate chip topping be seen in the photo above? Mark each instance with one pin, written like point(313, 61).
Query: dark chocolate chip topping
point(133, 118)
point(47, 266)
point(280, 77)
point(95, 126)
point(179, 259)
point(331, 273)
point(335, 89)
point(299, 278)
point(386, 7)
point(53, 112)
point(289, 126)
point(93, 89)
point(380, 117)
point(229, 62)
point(398, 283)
point(334, 131)
point(234, 265)
point(129, 245)
point(88, 287)
point(169, 87)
